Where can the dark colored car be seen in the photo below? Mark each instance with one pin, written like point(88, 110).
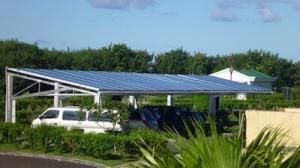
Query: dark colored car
point(142, 118)
point(175, 118)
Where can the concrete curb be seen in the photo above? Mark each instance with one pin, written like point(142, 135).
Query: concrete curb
point(56, 158)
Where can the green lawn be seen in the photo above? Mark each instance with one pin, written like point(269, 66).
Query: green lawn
point(108, 163)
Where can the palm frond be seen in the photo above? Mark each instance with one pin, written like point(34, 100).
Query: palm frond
point(202, 150)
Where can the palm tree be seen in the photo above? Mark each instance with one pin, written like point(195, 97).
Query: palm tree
point(217, 151)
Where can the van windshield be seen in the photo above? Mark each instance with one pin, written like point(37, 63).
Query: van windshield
point(74, 115)
point(50, 114)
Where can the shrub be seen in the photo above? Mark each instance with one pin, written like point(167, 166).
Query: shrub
point(140, 137)
point(10, 133)
point(4, 132)
point(150, 136)
point(66, 143)
point(30, 138)
point(43, 137)
point(57, 138)
point(15, 132)
point(87, 147)
point(48, 137)
point(104, 146)
point(71, 142)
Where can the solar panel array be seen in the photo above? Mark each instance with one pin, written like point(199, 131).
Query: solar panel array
point(119, 82)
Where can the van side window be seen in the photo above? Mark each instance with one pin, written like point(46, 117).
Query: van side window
point(105, 117)
point(73, 115)
point(93, 116)
point(50, 114)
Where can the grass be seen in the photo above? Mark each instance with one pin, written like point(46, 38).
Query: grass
point(108, 163)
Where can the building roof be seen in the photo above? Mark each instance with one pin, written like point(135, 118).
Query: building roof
point(138, 83)
point(255, 74)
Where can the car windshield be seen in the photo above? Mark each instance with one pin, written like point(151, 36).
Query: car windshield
point(148, 115)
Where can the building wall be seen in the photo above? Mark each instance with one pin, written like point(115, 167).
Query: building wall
point(242, 78)
point(236, 76)
point(288, 120)
point(264, 84)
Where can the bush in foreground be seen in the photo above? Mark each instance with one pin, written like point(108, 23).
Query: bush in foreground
point(57, 139)
point(201, 151)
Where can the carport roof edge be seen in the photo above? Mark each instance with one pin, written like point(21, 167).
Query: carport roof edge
point(138, 83)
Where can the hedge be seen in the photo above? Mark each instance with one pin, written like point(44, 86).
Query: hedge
point(105, 146)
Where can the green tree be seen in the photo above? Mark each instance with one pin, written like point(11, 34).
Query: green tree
point(173, 62)
point(297, 74)
point(197, 64)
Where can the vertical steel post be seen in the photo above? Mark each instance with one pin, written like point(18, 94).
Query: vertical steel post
point(56, 95)
point(8, 96)
point(97, 98)
point(170, 100)
point(13, 111)
point(213, 104)
point(133, 102)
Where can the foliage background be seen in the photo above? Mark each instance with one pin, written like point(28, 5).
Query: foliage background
point(120, 57)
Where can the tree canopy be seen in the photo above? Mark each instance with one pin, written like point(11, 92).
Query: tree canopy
point(120, 57)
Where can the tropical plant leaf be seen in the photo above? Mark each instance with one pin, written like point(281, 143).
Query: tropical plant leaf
point(202, 150)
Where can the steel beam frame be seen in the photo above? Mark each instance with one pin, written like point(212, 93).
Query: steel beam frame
point(56, 93)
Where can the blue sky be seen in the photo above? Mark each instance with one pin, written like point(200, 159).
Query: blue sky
point(209, 26)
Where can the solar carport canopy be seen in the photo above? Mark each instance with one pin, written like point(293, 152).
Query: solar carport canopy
point(119, 83)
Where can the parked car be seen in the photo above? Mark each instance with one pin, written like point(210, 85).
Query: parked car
point(141, 118)
point(151, 120)
point(175, 117)
point(72, 117)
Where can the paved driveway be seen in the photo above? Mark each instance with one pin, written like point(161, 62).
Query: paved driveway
point(17, 161)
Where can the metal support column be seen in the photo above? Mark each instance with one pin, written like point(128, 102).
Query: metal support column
point(133, 102)
point(170, 100)
point(56, 95)
point(9, 96)
point(97, 98)
point(60, 102)
point(213, 104)
point(13, 111)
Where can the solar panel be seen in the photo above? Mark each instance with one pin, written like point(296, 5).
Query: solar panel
point(121, 82)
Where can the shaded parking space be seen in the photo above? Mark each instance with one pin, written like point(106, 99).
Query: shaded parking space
point(21, 161)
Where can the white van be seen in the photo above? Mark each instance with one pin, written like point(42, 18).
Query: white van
point(72, 117)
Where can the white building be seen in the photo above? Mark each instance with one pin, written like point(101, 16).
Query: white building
point(250, 77)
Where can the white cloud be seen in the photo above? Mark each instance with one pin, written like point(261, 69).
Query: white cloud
point(158, 13)
point(122, 4)
point(267, 15)
point(227, 10)
point(143, 4)
point(297, 6)
point(223, 15)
